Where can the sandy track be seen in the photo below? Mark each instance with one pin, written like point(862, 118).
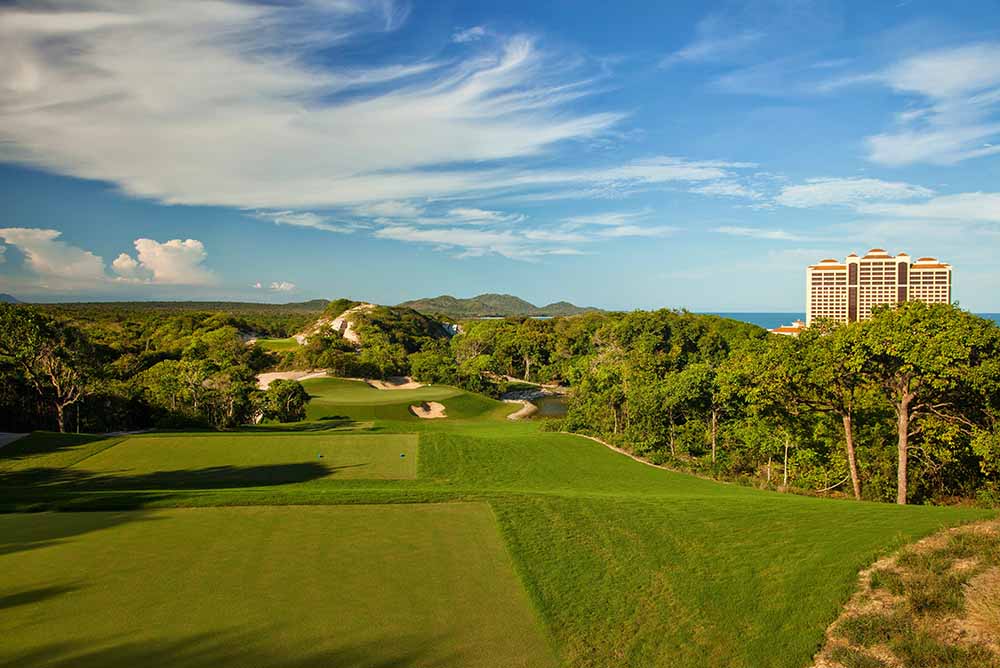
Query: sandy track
point(526, 410)
point(429, 410)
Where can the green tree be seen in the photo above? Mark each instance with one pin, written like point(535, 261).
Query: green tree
point(284, 401)
point(53, 357)
point(919, 355)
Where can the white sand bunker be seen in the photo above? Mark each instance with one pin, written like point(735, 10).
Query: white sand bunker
point(429, 410)
point(394, 383)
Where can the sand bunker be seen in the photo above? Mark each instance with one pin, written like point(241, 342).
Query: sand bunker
point(429, 410)
point(394, 383)
point(265, 379)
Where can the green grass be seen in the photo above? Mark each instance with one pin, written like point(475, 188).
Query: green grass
point(624, 564)
point(268, 586)
point(278, 345)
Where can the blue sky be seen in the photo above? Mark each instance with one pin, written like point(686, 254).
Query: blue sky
point(634, 155)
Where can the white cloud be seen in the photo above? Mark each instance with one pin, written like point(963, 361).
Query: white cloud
point(612, 218)
point(3, 254)
point(963, 207)
point(389, 209)
point(473, 242)
point(161, 98)
point(727, 189)
point(758, 233)
point(173, 262)
point(301, 219)
point(625, 231)
point(56, 262)
point(257, 286)
point(715, 40)
point(473, 34)
point(282, 286)
point(847, 192)
point(959, 117)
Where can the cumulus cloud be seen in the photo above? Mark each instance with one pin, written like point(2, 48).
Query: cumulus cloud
point(173, 262)
point(847, 192)
point(58, 263)
point(282, 286)
point(80, 100)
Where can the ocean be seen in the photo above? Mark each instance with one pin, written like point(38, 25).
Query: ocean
point(772, 320)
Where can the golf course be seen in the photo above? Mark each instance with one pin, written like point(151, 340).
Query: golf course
point(366, 536)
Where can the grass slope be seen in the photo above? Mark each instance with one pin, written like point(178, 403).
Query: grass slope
point(266, 586)
point(626, 565)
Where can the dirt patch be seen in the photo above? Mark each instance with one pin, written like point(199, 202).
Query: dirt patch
point(395, 383)
point(939, 596)
point(264, 380)
point(428, 410)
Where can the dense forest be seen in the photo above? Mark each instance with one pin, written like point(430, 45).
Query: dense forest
point(904, 407)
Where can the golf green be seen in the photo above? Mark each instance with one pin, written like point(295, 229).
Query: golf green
point(262, 458)
point(410, 585)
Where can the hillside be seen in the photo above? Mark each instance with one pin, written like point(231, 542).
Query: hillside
point(491, 304)
point(9, 299)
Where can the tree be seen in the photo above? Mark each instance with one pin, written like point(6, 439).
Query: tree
point(284, 401)
point(53, 357)
point(919, 355)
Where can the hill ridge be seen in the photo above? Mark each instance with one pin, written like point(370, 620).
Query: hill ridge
point(492, 304)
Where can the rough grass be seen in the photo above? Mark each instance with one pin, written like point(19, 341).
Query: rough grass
point(625, 564)
point(427, 586)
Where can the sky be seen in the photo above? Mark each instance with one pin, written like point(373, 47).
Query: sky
point(622, 155)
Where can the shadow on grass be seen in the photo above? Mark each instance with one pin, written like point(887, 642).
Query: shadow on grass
point(45, 443)
point(214, 650)
point(33, 531)
point(31, 596)
point(328, 423)
point(213, 477)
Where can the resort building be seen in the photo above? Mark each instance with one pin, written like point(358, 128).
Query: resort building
point(847, 291)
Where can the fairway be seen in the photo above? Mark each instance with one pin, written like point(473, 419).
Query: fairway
point(279, 345)
point(367, 586)
point(254, 459)
point(623, 564)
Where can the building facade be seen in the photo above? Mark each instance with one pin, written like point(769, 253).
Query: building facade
point(848, 291)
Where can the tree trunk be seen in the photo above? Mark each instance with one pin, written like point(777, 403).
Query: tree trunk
point(715, 430)
point(527, 368)
point(784, 465)
point(852, 461)
point(60, 418)
point(903, 435)
point(769, 470)
point(673, 451)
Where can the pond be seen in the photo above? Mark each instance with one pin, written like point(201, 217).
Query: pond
point(550, 407)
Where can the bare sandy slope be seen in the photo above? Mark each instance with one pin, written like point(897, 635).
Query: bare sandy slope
point(264, 380)
point(428, 410)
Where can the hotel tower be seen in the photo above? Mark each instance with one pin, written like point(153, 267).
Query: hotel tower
point(847, 291)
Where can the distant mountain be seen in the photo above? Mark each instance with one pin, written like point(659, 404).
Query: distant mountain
point(8, 299)
point(491, 305)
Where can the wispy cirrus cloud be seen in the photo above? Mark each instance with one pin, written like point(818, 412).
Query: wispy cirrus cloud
point(957, 117)
point(80, 101)
point(759, 233)
point(302, 219)
point(847, 192)
point(473, 34)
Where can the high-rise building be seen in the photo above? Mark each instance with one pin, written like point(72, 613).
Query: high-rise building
point(847, 291)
